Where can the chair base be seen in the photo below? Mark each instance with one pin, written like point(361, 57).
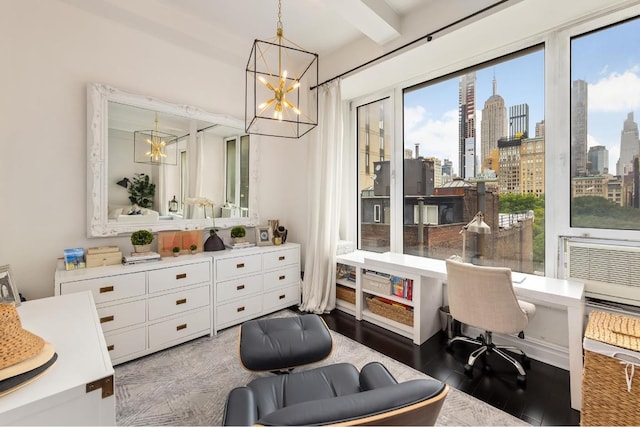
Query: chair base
point(486, 346)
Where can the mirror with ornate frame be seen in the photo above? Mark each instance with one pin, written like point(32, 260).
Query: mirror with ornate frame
point(208, 158)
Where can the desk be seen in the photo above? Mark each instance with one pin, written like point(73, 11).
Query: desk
point(544, 291)
point(61, 396)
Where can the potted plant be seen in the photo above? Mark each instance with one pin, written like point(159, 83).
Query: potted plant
point(141, 240)
point(238, 234)
point(176, 250)
point(193, 248)
point(141, 191)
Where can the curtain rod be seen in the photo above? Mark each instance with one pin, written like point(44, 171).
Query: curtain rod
point(429, 37)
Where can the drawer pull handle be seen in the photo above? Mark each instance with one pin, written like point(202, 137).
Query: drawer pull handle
point(239, 287)
point(106, 319)
point(181, 301)
point(241, 265)
point(281, 258)
point(180, 327)
point(106, 289)
point(181, 276)
point(281, 277)
point(239, 309)
point(110, 347)
point(281, 296)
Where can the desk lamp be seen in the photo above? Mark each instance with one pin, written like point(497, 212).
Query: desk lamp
point(476, 225)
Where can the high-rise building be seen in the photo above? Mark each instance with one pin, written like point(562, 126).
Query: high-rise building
point(540, 129)
point(447, 170)
point(493, 125)
point(519, 121)
point(598, 160)
point(579, 109)
point(371, 144)
point(437, 171)
point(532, 166)
point(509, 160)
point(629, 146)
point(466, 121)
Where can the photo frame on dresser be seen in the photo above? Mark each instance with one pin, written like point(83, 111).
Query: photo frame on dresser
point(8, 291)
point(264, 236)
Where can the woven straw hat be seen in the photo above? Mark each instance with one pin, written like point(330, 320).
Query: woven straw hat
point(16, 344)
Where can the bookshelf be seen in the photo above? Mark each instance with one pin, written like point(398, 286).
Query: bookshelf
point(411, 311)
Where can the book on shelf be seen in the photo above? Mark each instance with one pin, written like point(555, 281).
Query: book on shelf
point(240, 245)
point(141, 257)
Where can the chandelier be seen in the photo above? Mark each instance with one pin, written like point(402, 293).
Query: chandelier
point(279, 78)
point(154, 147)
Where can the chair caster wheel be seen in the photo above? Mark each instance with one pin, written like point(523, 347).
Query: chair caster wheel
point(526, 362)
point(521, 381)
point(468, 370)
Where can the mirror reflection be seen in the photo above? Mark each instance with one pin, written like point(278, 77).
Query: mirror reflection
point(164, 167)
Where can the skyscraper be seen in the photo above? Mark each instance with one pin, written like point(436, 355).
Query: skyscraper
point(579, 109)
point(494, 124)
point(629, 146)
point(598, 160)
point(466, 121)
point(519, 121)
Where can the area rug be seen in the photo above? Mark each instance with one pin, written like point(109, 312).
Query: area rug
point(188, 384)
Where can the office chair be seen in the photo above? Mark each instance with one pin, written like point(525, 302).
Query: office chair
point(484, 297)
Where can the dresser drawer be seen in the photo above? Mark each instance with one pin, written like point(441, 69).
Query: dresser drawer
point(277, 259)
point(175, 277)
point(181, 328)
point(283, 277)
point(110, 288)
point(231, 313)
point(121, 315)
point(178, 302)
point(282, 298)
point(239, 266)
point(121, 344)
point(238, 288)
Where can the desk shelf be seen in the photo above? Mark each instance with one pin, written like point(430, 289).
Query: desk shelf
point(426, 296)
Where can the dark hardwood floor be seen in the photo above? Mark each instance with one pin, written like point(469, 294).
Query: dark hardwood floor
point(544, 401)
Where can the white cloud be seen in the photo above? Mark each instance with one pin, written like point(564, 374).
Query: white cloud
point(592, 141)
point(616, 92)
point(437, 137)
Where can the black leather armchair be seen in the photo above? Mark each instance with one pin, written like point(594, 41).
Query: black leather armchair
point(336, 394)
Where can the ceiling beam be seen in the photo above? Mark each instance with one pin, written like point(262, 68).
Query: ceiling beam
point(374, 18)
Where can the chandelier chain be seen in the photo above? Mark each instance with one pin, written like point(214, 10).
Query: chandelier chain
point(279, 25)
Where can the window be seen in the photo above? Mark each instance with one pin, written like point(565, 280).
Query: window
point(237, 167)
point(605, 108)
point(469, 147)
point(374, 175)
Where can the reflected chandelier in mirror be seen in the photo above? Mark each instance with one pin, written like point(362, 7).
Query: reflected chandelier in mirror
point(208, 167)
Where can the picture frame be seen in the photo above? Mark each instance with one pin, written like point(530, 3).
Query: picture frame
point(264, 236)
point(8, 291)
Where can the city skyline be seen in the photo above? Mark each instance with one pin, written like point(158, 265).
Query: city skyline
point(612, 75)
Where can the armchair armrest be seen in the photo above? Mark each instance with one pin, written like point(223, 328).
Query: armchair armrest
point(374, 375)
point(241, 409)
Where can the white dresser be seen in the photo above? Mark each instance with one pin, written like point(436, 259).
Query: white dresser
point(249, 283)
point(147, 307)
point(78, 389)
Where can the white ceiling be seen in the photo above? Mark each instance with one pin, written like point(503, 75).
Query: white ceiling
point(226, 29)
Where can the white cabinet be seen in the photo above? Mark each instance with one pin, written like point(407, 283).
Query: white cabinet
point(252, 282)
point(78, 389)
point(147, 307)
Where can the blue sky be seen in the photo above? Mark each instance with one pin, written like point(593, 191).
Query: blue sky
point(608, 60)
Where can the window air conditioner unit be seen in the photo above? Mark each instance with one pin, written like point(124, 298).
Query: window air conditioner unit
point(610, 271)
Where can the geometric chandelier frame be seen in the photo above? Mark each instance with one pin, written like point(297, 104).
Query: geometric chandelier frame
point(278, 81)
point(155, 147)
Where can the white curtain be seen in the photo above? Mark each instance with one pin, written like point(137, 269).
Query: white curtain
point(324, 190)
point(195, 165)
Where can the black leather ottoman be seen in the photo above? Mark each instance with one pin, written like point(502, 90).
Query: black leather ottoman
point(284, 343)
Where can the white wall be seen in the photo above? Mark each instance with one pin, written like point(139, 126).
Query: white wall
point(50, 51)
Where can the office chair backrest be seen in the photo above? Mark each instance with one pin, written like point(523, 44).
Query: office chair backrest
point(483, 297)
